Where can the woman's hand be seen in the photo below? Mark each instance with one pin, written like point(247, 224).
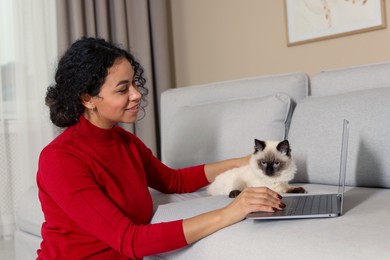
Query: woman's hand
point(249, 200)
point(253, 199)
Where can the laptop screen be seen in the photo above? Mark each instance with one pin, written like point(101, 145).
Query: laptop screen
point(343, 162)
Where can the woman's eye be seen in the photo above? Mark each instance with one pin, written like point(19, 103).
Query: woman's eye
point(124, 90)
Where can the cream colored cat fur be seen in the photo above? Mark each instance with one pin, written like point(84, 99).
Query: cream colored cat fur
point(270, 165)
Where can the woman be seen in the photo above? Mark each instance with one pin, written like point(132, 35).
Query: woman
point(93, 178)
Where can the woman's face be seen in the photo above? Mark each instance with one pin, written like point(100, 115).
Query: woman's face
point(119, 98)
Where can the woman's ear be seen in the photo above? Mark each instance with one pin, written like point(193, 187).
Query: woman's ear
point(87, 101)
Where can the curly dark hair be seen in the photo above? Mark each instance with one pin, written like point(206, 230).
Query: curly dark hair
point(82, 70)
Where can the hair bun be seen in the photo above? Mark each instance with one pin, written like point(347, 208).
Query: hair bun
point(61, 114)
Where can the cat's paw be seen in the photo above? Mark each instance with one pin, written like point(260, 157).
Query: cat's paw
point(296, 190)
point(234, 193)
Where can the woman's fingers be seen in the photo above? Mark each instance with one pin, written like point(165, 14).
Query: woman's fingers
point(254, 199)
point(261, 199)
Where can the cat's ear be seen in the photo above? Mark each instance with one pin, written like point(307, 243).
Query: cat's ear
point(259, 145)
point(284, 147)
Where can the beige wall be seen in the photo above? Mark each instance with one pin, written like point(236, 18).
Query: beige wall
point(216, 40)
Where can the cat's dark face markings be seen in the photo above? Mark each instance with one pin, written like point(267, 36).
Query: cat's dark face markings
point(259, 145)
point(284, 147)
point(273, 162)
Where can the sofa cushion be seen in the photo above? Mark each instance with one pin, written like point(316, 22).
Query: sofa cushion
point(315, 137)
point(332, 82)
point(222, 130)
point(360, 233)
point(29, 213)
point(293, 84)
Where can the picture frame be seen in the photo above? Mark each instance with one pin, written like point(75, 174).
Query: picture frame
point(316, 20)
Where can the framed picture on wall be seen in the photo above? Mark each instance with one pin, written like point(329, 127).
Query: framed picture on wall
point(314, 20)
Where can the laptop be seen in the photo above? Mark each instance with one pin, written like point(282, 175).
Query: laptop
point(314, 205)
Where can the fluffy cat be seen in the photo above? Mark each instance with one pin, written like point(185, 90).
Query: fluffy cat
point(270, 165)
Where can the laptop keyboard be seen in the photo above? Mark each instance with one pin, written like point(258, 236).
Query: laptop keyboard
point(307, 205)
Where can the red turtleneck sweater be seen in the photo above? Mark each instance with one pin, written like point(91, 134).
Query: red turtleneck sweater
point(93, 187)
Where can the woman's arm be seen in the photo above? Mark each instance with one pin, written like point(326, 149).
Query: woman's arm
point(249, 200)
point(213, 169)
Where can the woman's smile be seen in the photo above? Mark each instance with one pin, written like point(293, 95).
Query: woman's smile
point(134, 109)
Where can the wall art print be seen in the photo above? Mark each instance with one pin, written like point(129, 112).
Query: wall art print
point(314, 20)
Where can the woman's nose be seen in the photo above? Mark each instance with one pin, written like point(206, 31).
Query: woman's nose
point(134, 93)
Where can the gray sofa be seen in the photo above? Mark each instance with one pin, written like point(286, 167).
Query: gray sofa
point(216, 121)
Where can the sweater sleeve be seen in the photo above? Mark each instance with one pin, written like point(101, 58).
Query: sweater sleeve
point(67, 181)
point(167, 180)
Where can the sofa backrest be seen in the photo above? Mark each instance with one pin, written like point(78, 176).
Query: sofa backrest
point(343, 80)
point(212, 122)
point(360, 95)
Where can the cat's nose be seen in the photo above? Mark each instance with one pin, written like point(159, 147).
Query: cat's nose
point(269, 171)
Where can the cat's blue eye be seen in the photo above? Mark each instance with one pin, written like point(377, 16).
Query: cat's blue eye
point(277, 163)
point(263, 163)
